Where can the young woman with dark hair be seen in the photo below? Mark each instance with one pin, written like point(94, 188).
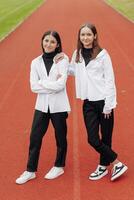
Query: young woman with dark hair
point(48, 80)
point(95, 85)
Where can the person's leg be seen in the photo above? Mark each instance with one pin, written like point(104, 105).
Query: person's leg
point(106, 130)
point(91, 119)
point(92, 122)
point(91, 111)
point(106, 125)
point(39, 128)
point(60, 126)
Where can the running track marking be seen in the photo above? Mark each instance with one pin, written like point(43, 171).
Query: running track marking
point(76, 162)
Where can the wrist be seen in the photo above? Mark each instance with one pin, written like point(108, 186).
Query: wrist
point(107, 111)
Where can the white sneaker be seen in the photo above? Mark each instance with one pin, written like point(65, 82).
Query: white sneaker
point(98, 173)
point(26, 176)
point(118, 170)
point(54, 172)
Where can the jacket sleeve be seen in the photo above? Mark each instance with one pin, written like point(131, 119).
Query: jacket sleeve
point(71, 68)
point(59, 84)
point(34, 79)
point(110, 88)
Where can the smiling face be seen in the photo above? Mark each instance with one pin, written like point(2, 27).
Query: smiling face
point(49, 43)
point(87, 37)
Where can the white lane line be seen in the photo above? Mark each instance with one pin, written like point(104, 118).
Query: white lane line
point(76, 161)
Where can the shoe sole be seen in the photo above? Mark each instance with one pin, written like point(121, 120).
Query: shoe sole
point(119, 174)
point(25, 181)
point(50, 178)
point(97, 178)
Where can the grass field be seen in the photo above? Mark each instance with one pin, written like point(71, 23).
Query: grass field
point(126, 7)
point(13, 12)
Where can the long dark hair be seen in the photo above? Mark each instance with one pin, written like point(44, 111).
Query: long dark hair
point(56, 36)
point(95, 48)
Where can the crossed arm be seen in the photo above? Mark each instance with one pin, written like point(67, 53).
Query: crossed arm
point(46, 85)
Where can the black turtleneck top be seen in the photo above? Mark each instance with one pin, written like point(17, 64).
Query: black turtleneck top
point(87, 53)
point(48, 60)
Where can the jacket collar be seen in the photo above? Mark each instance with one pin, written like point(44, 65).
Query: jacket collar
point(102, 53)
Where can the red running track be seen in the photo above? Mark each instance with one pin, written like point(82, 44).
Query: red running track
point(17, 103)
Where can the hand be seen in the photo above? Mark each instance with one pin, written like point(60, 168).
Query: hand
point(59, 57)
point(107, 114)
point(58, 76)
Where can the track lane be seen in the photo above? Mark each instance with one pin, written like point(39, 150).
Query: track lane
point(16, 52)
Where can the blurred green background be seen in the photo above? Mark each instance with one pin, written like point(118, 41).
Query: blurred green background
point(126, 7)
point(13, 12)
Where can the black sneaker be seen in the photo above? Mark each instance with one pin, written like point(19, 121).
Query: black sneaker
point(118, 170)
point(98, 173)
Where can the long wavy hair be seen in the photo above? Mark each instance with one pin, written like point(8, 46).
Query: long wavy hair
point(56, 36)
point(95, 47)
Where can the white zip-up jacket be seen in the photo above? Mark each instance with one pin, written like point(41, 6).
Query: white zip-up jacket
point(51, 92)
point(95, 81)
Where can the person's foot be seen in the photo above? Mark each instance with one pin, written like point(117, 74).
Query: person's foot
point(54, 172)
point(118, 170)
point(26, 176)
point(99, 173)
